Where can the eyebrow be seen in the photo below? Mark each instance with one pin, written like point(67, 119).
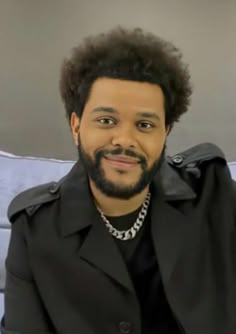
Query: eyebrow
point(145, 114)
point(105, 109)
point(148, 114)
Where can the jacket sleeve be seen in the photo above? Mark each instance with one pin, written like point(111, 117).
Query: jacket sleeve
point(24, 311)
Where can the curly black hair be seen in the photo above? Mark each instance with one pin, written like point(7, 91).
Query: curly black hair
point(127, 54)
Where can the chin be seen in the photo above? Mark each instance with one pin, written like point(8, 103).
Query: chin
point(122, 182)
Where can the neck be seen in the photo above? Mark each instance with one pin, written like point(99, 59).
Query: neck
point(115, 207)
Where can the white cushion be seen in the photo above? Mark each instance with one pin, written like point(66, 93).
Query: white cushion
point(19, 173)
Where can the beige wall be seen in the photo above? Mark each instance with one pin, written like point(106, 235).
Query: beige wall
point(36, 35)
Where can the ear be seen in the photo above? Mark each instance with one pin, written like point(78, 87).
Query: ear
point(75, 127)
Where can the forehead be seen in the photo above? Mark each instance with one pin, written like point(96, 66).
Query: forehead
point(126, 94)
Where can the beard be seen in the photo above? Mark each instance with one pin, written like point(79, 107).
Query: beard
point(109, 188)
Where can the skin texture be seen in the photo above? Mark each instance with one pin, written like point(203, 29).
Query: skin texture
point(122, 116)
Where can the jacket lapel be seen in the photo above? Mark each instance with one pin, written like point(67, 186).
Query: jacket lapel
point(78, 212)
point(170, 232)
point(171, 228)
point(100, 250)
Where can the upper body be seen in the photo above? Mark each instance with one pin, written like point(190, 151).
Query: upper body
point(129, 241)
point(65, 271)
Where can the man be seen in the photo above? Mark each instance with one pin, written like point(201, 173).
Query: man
point(130, 241)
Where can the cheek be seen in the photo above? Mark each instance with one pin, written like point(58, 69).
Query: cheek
point(154, 149)
point(92, 140)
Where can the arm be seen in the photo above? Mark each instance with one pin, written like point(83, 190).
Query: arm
point(24, 311)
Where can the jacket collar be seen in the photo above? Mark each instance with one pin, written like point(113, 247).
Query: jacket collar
point(174, 188)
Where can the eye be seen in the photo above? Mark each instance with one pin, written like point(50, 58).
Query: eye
point(145, 125)
point(106, 121)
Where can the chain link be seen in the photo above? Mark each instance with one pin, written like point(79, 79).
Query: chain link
point(132, 232)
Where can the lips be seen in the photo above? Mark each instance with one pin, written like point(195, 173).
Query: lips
point(122, 158)
point(122, 162)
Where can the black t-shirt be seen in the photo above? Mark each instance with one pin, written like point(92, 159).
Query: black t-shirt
point(141, 261)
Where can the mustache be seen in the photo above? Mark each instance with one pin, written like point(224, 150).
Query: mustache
point(118, 151)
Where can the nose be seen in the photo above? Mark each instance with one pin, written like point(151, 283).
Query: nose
point(124, 137)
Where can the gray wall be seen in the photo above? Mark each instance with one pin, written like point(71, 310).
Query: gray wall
point(36, 35)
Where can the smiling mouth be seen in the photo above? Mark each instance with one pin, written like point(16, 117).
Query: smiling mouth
point(122, 162)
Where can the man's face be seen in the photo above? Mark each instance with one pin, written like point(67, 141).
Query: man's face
point(121, 135)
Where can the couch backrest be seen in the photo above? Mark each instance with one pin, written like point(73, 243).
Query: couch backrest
point(232, 167)
point(20, 173)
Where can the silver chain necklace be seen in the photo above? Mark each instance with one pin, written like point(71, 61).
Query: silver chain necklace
point(130, 233)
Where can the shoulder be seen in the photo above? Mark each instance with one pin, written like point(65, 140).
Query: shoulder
point(32, 199)
point(197, 155)
point(200, 163)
